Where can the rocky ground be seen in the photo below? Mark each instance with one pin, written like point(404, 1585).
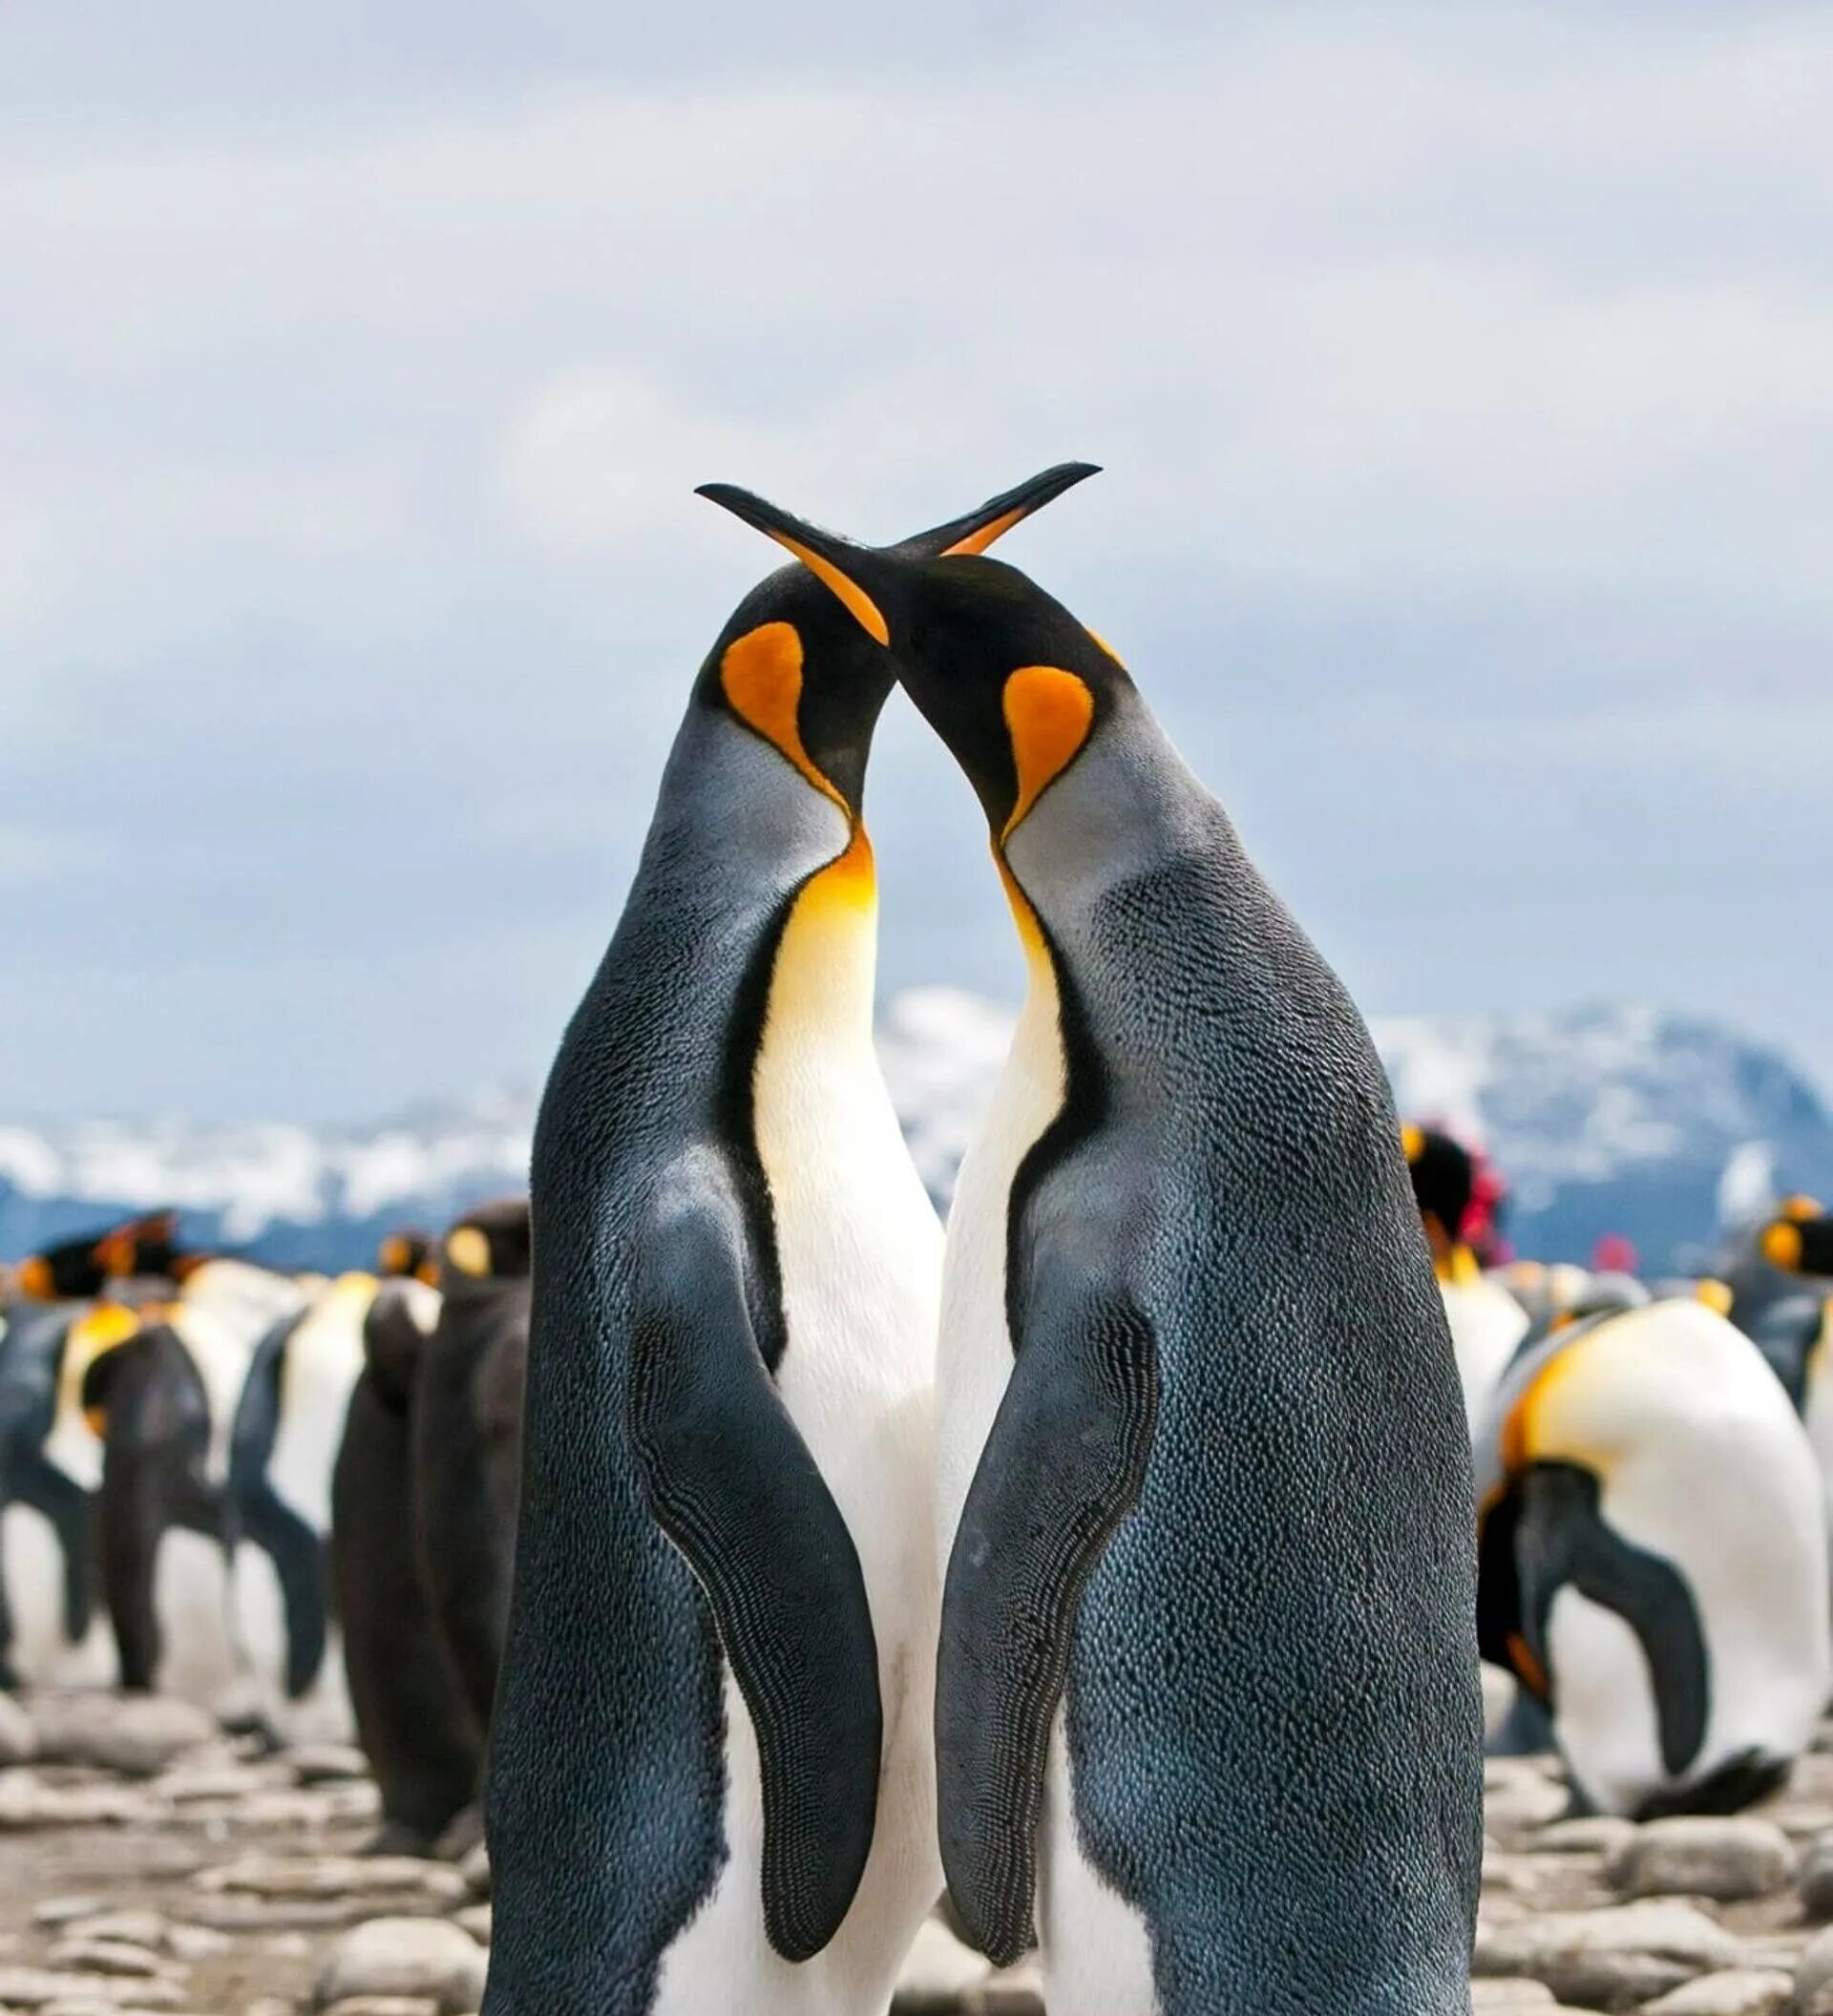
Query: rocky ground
point(148, 1863)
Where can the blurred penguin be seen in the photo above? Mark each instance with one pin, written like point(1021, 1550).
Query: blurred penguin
point(1486, 1322)
point(1653, 1557)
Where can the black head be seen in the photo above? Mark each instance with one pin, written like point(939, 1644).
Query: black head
point(1445, 1182)
point(408, 1254)
point(79, 1268)
point(1800, 1238)
point(1005, 674)
point(490, 1244)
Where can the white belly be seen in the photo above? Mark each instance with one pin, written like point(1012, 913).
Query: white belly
point(1486, 1323)
point(323, 1713)
point(191, 1600)
point(860, 1257)
point(973, 1360)
point(31, 1560)
point(1097, 1952)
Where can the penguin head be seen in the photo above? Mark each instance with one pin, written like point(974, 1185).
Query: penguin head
point(1445, 1180)
point(1005, 674)
point(79, 1268)
point(490, 1244)
point(408, 1254)
point(1798, 1239)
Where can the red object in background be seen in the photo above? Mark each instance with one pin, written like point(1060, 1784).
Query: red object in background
point(1483, 1221)
point(1613, 1254)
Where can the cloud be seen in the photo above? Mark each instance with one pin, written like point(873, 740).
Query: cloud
point(1465, 380)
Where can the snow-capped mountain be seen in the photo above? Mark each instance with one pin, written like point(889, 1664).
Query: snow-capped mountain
point(1604, 1119)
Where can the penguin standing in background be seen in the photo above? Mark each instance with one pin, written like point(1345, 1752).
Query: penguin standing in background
point(50, 1473)
point(1215, 1732)
point(711, 1780)
point(1486, 1322)
point(466, 1441)
point(288, 1426)
point(424, 1745)
point(1654, 1556)
point(167, 1402)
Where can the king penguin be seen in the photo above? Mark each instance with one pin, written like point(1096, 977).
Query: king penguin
point(1654, 1554)
point(1214, 1731)
point(710, 1759)
point(1486, 1321)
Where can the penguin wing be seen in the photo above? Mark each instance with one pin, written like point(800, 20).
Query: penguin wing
point(1062, 1465)
point(1562, 1538)
point(731, 1482)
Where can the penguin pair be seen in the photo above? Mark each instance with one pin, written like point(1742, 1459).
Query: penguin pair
point(1209, 1753)
point(1654, 1554)
point(1486, 1320)
point(423, 1520)
point(143, 1249)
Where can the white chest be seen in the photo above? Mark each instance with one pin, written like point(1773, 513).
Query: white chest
point(973, 1360)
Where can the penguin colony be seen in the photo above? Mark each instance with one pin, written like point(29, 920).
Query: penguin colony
point(784, 1565)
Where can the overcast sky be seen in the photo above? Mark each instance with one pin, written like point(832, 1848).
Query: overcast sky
point(1464, 377)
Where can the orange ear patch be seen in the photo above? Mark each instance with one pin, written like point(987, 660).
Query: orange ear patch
point(1048, 713)
point(1782, 1245)
point(761, 674)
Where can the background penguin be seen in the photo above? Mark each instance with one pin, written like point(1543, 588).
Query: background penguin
point(1486, 1322)
point(409, 1254)
point(466, 1441)
point(140, 1249)
point(1237, 1760)
point(1654, 1556)
point(288, 1426)
point(424, 1745)
point(711, 1756)
point(50, 1473)
point(166, 1401)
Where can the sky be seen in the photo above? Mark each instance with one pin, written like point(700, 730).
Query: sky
point(1462, 377)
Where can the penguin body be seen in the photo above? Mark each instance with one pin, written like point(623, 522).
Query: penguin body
point(51, 1470)
point(168, 1400)
point(1655, 1558)
point(466, 1441)
point(1486, 1321)
point(711, 1780)
point(288, 1426)
point(424, 1745)
point(1220, 1758)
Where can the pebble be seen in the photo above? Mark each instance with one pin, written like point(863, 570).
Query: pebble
point(1623, 1953)
point(27, 1802)
point(107, 1956)
point(332, 1876)
point(385, 2006)
point(33, 1987)
point(475, 1870)
point(1595, 1834)
point(1814, 1885)
point(405, 1956)
point(476, 1919)
point(65, 1910)
point(1813, 1973)
point(1737, 1992)
point(1725, 1859)
point(326, 1763)
point(18, 1738)
point(1510, 1995)
point(1519, 1795)
point(136, 1735)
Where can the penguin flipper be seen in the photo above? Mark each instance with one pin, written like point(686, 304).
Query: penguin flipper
point(731, 1482)
point(1563, 1539)
point(1060, 1467)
